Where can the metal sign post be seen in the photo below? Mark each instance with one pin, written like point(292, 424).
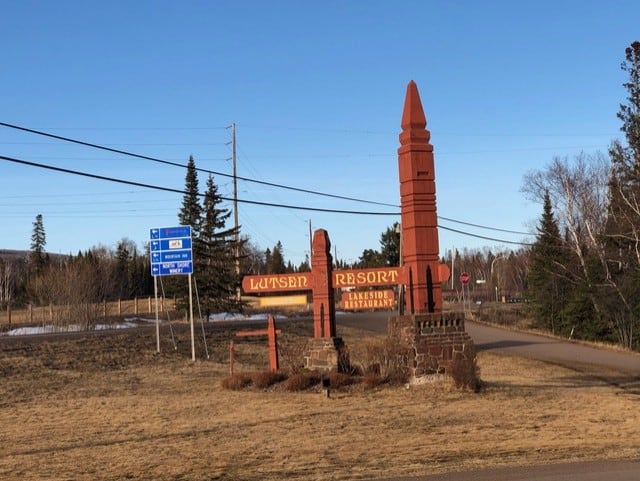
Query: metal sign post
point(171, 254)
point(465, 278)
point(155, 292)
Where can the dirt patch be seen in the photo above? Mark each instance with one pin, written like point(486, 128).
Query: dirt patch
point(107, 407)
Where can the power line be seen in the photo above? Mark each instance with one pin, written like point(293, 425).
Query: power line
point(484, 226)
point(153, 159)
point(176, 164)
point(179, 191)
point(502, 241)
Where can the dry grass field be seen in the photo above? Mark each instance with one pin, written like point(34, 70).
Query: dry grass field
point(107, 407)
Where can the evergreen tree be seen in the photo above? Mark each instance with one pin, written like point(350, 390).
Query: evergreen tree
point(623, 223)
point(37, 256)
point(390, 245)
point(548, 286)
point(370, 258)
point(305, 265)
point(619, 290)
point(190, 214)
point(191, 210)
point(122, 270)
point(216, 256)
point(275, 260)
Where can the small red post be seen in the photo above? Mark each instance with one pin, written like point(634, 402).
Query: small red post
point(271, 332)
point(273, 344)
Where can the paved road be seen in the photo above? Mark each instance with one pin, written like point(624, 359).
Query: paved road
point(588, 471)
point(616, 367)
point(549, 349)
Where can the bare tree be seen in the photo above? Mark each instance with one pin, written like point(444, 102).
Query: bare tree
point(7, 282)
point(580, 192)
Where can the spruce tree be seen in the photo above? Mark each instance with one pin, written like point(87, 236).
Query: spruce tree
point(619, 291)
point(390, 245)
point(216, 256)
point(623, 224)
point(548, 285)
point(190, 214)
point(275, 263)
point(191, 210)
point(37, 256)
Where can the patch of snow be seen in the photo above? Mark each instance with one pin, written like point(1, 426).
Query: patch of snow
point(227, 316)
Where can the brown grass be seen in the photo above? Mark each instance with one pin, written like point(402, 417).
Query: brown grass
point(109, 408)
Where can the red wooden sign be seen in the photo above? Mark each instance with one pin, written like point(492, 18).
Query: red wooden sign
point(465, 278)
point(301, 281)
point(361, 300)
point(381, 276)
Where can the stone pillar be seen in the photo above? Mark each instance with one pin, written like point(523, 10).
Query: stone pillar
point(326, 354)
point(434, 341)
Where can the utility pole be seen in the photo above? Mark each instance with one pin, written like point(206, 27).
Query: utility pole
point(453, 260)
point(235, 204)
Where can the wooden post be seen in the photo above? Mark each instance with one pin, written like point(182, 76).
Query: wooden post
point(9, 312)
point(232, 357)
point(271, 332)
point(324, 310)
point(273, 345)
point(135, 305)
point(419, 219)
point(119, 306)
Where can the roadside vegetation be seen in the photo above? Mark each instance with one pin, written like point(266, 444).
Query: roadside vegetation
point(579, 279)
point(105, 407)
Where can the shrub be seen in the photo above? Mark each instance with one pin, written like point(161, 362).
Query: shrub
point(292, 350)
point(371, 380)
point(265, 379)
point(465, 371)
point(236, 382)
point(301, 381)
point(388, 359)
point(339, 379)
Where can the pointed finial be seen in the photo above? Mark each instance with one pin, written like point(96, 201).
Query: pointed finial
point(413, 114)
point(414, 121)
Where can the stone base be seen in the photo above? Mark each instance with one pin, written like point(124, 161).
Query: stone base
point(434, 341)
point(326, 354)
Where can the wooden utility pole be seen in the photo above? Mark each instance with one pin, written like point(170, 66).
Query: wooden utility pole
point(235, 205)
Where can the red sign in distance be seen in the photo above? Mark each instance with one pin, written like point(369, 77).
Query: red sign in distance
point(465, 278)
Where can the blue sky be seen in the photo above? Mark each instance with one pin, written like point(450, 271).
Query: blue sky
point(316, 90)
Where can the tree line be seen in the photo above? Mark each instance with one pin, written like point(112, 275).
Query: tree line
point(581, 275)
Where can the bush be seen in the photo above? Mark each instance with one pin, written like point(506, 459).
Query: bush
point(339, 379)
point(292, 350)
point(371, 380)
point(388, 359)
point(465, 371)
point(265, 379)
point(301, 381)
point(236, 382)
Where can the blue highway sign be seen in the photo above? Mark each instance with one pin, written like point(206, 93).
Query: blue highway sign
point(170, 232)
point(171, 252)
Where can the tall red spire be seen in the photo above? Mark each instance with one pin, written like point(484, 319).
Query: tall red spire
point(413, 114)
point(418, 207)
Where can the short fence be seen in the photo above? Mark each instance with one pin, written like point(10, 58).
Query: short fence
point(122, 307)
